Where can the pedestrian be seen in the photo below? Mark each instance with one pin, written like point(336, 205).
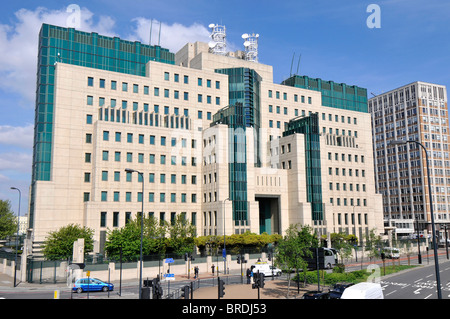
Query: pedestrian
point(249, 272)
point(212, 269)
point(196, 272)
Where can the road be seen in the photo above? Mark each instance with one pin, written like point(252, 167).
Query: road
point(418, 283)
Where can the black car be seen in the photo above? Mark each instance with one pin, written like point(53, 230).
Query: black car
point(314, 294)
point(338, 289)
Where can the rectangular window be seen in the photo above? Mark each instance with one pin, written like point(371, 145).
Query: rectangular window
point(103, 219)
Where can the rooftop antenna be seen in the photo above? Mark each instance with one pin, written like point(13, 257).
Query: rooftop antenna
point(159, 36)
point(292, 62)
point(298, 65)
point(218, 44)
point(251, 46)
point(151, 26)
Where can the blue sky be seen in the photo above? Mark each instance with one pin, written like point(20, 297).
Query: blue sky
point(332, 37)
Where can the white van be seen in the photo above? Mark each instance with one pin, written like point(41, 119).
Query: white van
point(363, 290)
point(266, 268)
point(390, 252)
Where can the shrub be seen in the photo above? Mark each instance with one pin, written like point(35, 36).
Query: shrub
point(339, 268)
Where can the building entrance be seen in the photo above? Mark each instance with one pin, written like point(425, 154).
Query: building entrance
point(269, 213)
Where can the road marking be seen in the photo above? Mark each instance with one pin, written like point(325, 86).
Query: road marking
point(416, 292)
point(390, 293)
point(418, 280)
point(428, 296)
point(429, 276)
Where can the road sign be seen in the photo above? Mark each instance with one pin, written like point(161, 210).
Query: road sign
point(169, 276)
point(169, 260)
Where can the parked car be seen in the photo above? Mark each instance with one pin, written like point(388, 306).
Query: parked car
point(315, 294)
point(91, 284)
point(338, 289)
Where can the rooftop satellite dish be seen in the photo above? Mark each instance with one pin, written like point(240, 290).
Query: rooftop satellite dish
point(246, 43)
point(257, 35)
point(211, 25)
point(211, 44)
point(245, 36)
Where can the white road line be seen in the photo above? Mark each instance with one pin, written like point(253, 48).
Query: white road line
point(390, 293)
point(429, 276)
point(428, 296)
point(418, 280)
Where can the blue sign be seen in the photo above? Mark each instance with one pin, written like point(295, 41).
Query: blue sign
point(224, 253)
point(169, 260)
point(169, 276)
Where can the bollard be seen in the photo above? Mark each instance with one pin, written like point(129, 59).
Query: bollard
point(56, 294)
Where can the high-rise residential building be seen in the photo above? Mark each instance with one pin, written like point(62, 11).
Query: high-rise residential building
point(213, 138)
point(418, 112)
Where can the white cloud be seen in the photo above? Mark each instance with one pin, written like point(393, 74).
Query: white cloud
point(173, 37)
point(19, 44)
point(21, 136)
point(15, 161)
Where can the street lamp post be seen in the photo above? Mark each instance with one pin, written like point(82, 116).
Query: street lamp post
point(436, 259)
point(224, 254)
point(17, 236)
point(129, 170)
point(419, 260)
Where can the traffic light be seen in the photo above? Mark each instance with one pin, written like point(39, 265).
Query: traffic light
point(221, 288)
point(238, 259)
point(258, 280)
point(185, 292)
point(157, 290)
point(261, 280)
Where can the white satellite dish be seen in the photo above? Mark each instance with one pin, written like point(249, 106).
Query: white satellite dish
point(212, 44)
point(257, 35)
point(246, 43)
point(245, 36)
point(212, 25)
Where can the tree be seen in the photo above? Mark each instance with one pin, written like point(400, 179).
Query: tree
point(59, 244)
point(182, 235)
point(294, 248)
point(373, 244)
point(8, 221)
point(343, 243)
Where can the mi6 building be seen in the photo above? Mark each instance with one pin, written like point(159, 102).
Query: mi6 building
point(204, 134)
